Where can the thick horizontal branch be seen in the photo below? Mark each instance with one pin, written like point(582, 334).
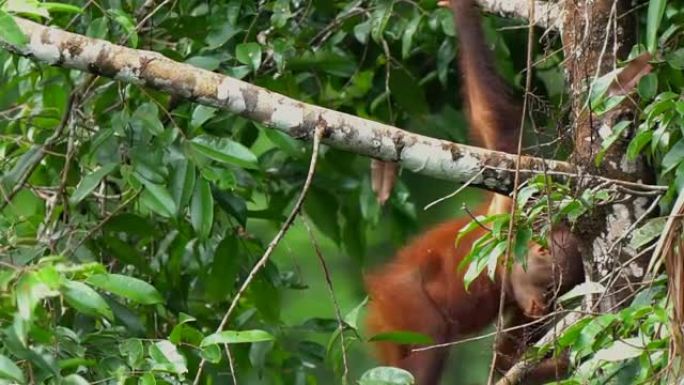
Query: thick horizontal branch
point(547, 13)
point(437, 158)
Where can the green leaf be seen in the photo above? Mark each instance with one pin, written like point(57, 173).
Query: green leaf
point(407, 37)
point(158, 196)
point(126, 22)
point(386, 375)
point(622, 350)
point(30, 291)
point(211, 353)
point(379, 19)
point(127, 287)
point(656, 10)
point(182, 183)
point(202, 208)
point(673, 157)
point(86, 300)
point(361, 31)
point(648, 86)
point(522, 241)
point(676, 59)
point(236, 337)
point(147, 379)
point(224, 150)
point(224, 269)
point(60, 7)
point(132, 349)
point(90, 181)
point(403, 337)
point(201, 114)
point(98, 28)
point(10, 371)
point(74, 379)
point(618, 129)
point(147, 117)
point(10, 32)
point(166, 357)
point(249, 54)
point(652, 229)
point(640, 140)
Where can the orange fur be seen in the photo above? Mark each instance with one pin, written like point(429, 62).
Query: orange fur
point(422, 290)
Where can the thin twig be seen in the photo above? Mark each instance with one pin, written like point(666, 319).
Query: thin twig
point(318, 133)
point(47, 145)
point(453, 194)
point(231, 365)
point(516, 182)
point(333, 298)
point(636, 223)
point(492, 334)
point(99, 225)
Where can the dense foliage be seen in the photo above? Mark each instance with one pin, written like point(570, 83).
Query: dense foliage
point(129, 220)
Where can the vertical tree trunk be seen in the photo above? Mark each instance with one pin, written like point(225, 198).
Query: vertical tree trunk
point(596, 34)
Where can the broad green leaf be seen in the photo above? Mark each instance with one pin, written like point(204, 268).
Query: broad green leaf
point(652, 229)
point(362, 31)
point(407, 37)
point(127, 22)
point(639, 141)
point(211, 353)
point(147, 117)
point(10, 371)
point(127, 287)
point(159, 197)
point(166, 357)
point(90, 182)
point(10, 32)
point(60, 7)
point(26, 7)
point(616, 133)
point(132, 349)
point(224, 150)
point(98, 28)
point(403, 337)
point(622, 350)
point(86, 300)
point(201, 114)
point(182, 183)
point(656, 10)
point(21, 167)
point(74, 379)
point(236, 337)
point(202, 208)
point(674, 156)
point(522, 240)
point(581, 290)
point(386, 375)
point(379, 19)
point(648, 86)
point(147, 379)
point(30, 291)
point(676, 59)
point(224, 269)
point(249, 54)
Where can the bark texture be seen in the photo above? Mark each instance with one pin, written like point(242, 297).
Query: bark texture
point(437, 158)
point(596, 35)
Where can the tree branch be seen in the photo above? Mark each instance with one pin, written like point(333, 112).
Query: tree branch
point(548, 13)
point(417, 153)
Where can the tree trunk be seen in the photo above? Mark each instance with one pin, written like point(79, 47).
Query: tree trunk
point(596, 34)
